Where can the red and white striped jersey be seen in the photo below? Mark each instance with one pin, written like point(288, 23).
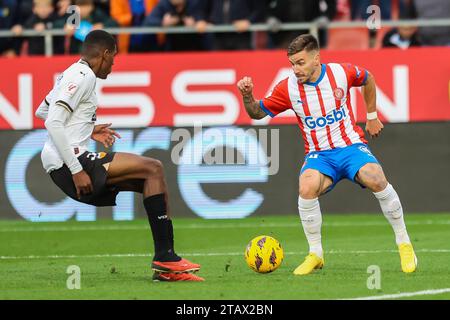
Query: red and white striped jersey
point(323, 108)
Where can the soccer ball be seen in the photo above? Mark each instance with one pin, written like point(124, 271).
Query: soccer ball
point(264, 254)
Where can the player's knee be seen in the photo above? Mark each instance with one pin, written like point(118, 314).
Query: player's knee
point(154, 167)
point(378, 183)
point(373, 178)
point(308, 191)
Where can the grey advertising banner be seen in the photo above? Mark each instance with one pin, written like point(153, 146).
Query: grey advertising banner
point(230, 172)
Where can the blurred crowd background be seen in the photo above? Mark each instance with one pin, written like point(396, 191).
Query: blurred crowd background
point(40, 15)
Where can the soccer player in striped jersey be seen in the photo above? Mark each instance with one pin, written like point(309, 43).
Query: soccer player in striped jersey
point(335, 146)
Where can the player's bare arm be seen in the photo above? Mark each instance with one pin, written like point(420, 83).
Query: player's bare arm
point(373, 124)
point(245, 86)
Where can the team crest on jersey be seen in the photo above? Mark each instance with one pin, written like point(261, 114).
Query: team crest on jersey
point(338, 93)
point(71, 88)
point(101, 155)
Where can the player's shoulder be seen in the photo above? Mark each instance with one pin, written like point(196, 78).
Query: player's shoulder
point(80, 74)
point(284, 82)
point(348, 68)
point(282, 86)
point(339, 66)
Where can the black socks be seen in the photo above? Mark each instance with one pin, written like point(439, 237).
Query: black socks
point(170, 230)
point(162, 228)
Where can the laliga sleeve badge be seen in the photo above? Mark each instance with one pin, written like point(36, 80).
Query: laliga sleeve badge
point(71, 89)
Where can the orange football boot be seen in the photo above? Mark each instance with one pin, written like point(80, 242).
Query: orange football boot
point(168, 276)
point(181, 266)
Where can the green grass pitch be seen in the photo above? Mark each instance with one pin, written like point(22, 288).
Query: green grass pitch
point(114, 259)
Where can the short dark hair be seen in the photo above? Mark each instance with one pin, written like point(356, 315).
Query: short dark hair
point(303, 42)
point(96, 42)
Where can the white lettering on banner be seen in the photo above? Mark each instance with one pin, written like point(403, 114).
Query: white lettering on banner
point(398, 109)
point(205, 98)
point(282, 74)
point(126, 99)
point(21, 117)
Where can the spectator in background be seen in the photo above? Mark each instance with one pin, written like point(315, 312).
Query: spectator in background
point(239, 13)
point(433, 9)
point(24, 12)
point(285, 11)
point(131, 13)
point(104, 5)
point(403, 37)
point(43, 18)
point(8, 18)
point(91, 18)
point(171, 13)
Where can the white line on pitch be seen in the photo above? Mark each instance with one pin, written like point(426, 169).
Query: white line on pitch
point(404, 294)
point(118, 227)
point(210, 254)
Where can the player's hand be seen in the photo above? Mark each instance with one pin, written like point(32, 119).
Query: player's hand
point(245, 86)
point(82, 183)
point(374, 127)
point(103, 134)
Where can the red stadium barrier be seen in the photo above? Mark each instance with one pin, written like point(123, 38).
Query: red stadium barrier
point(180, 89)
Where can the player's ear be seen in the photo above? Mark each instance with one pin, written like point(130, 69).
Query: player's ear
point(317, 58)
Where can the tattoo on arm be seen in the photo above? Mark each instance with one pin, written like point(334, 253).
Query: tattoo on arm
point(253, 108)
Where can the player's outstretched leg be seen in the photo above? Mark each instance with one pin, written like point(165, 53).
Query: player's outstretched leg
point(129, 172)
point(371, 175)
point(312, 184)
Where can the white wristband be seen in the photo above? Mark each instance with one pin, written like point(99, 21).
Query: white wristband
point(372, 115)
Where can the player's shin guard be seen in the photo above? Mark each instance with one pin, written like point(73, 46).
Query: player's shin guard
point(393, 211)
point(156, 209)
point(311, 217)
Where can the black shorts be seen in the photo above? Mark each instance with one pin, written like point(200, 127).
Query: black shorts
point(92, 163)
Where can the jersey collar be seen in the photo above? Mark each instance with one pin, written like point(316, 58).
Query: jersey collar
point(84, 62)
point(322, 74)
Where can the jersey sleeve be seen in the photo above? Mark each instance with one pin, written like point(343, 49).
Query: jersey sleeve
point(73, 89)
point(356, 76)
point(42, 110)
point(277, 101)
